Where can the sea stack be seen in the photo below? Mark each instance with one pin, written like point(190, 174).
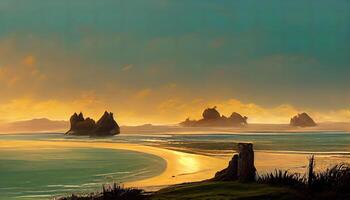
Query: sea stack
point(212, 118)
point(241, 167)
point(302, 120)
point(105, 126)
point(246, 169)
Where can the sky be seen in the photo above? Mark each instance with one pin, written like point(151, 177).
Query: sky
point(161, 61)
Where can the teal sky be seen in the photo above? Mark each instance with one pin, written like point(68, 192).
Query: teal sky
point(268, 53)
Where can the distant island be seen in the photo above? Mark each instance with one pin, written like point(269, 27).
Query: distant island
point(302, 120)
point(212, 117)
point(105, 126)
point(34, 125)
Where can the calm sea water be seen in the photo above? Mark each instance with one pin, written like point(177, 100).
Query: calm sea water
point(44, 173)
point(322, 142)
point(41, 173)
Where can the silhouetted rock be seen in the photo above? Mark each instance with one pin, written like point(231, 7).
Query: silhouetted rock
point(246, 169)
point(230, 173)
point(75, 119)
point(238, 119)
point(302, 120)
point(105, 126)
point(211, 114)
point(211, 117)
point(241, 167)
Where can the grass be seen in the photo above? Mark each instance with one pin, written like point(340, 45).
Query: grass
point(111, 192)
point(336, 178)
point(282, 178)
point(332, 183)
point(197, 191)
point(225, 191)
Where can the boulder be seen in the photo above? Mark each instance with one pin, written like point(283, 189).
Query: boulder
point(302, 120)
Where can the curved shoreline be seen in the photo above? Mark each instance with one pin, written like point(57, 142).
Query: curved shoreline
point(187, 167)
point(180, 167)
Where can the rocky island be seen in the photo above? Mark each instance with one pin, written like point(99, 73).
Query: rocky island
point(212, 117)
point(302, 120)
point(105, 126)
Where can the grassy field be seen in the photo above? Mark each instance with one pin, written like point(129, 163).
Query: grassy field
point(226, 191)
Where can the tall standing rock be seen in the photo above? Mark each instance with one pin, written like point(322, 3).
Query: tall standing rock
point(246, 169)
point(241, 167)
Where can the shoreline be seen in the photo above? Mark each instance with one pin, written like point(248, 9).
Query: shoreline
point(182, 167)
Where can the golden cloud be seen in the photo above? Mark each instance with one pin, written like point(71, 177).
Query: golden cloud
point(21, 72)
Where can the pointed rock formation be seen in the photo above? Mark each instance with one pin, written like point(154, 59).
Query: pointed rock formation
point(75, 119)
point(302, 120)
point(212, 117)
point(106, 126)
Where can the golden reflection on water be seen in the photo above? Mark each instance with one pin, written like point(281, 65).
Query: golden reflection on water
point(189, 163)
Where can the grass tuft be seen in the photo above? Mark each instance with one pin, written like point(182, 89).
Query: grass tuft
point(282, 178)
point(110, 192)
point(336, 178)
